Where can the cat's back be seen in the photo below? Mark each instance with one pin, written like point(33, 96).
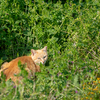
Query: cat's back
point(13, 65)
point(23, 59)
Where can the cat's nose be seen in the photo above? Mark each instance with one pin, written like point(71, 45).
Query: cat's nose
point(43, 62)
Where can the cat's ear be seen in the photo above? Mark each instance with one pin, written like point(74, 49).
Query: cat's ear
point(45, 49)
point(33, 51)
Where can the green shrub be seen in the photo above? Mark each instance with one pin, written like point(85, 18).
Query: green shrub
point(71, 32)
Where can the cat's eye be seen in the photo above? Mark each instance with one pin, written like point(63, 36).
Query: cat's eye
point(39, 58)
point(44, 57)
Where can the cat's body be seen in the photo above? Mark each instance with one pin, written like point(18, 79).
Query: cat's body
point(37, 56)
point(12, 68)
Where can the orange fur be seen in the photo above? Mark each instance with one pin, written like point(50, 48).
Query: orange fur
point(37, 57)
point(12, 68)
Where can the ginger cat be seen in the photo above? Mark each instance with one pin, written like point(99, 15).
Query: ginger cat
point(37, 56)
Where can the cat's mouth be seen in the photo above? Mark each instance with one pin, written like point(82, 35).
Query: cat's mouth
point(40, 62)
point(43, 62)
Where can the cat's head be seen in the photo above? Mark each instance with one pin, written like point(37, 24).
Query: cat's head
point(39, 56)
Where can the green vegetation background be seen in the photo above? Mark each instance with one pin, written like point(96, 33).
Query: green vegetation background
point(71, 31)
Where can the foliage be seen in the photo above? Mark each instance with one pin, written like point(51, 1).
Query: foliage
point(71, 31)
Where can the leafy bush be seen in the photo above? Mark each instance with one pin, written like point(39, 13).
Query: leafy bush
point(71, 31)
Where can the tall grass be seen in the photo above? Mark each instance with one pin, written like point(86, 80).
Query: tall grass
point(71, 31)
